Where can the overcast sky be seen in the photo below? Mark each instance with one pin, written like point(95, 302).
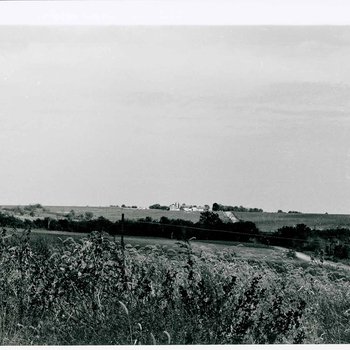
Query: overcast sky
point(253, 116)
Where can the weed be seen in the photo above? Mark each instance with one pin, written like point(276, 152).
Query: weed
point(94, 291)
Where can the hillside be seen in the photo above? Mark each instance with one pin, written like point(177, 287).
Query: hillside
point(266, 222)
point(269, 222)
point(110, 213)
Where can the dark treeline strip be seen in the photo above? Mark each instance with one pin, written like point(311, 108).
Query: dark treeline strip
point(209, 227)
point(220, 207)
point(167, 228)
point(331, 242)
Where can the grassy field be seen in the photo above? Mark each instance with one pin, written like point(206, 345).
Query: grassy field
point(90, 291)
point(111, 213)
point(114, 213)
point(246, 251)
point(269, 222)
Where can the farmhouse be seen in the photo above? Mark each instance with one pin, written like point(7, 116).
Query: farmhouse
point(197, 208)
point(174, 206)
point(185, 207)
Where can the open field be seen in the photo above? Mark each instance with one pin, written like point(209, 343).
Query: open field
point(242, 251)
point(246, 251)
point(114, 213)
point(269, 222)
point(111, 213)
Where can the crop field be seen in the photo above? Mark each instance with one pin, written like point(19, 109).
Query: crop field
point(91, 291)
point(269, 222)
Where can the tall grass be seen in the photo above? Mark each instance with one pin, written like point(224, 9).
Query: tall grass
point(93, 291)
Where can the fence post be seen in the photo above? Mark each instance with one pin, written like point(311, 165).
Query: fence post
point(183, 232)
point(122, 232)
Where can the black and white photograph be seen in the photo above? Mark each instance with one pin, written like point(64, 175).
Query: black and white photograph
point(174, 173)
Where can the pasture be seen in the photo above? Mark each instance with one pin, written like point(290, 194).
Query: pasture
point(269, 222)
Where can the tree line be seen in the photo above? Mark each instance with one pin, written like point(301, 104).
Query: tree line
point(221, 207)
point(210, 226)
point(332, 242)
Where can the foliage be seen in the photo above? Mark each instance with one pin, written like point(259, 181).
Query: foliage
point(88, 215)
point(217, 207)
point(158, 206)
point(93, 291)
point(270, 222)
point(334, 243)
point(209, 219)
point(300, 231)
point(33, 206)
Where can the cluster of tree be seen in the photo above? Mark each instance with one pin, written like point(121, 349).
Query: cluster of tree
point(220, 207)
point(33, 206)
point(72, 215)
point(11, 221)
point(209, 227)
point(158, 206)
point(331, 242)
point(30, 209)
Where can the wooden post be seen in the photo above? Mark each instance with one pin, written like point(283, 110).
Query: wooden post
point(122, 232)
point(183, 232)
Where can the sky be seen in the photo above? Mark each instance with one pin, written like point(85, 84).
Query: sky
point(240, 115)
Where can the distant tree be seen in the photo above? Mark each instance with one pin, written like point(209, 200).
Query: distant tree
point(209, 218)
point(302, 231)
point(71, 215)
point(158, 206)
point(33, 206)
point(255, 210)
point(154, 206)
point(19, 210)
point(216, 207)
point(341, 251)
point(88, 215)
point(164, 220)
point(146, 219)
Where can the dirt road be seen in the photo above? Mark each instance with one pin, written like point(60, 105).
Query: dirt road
point(308, 258)
point(231, 216)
